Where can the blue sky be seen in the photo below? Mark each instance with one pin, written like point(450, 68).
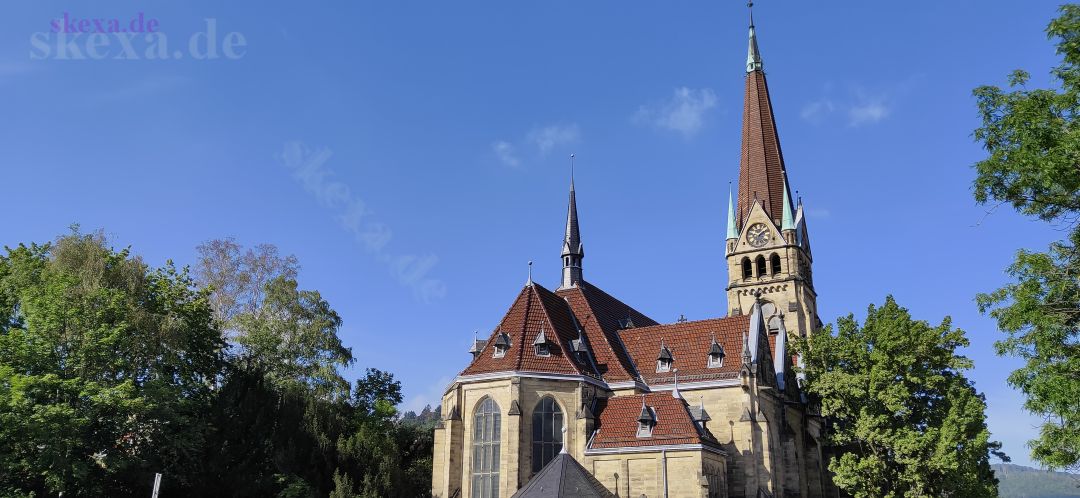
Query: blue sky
point(414, 155)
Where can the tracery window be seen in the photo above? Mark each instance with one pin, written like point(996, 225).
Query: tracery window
point(485, 443)
point(547, 426)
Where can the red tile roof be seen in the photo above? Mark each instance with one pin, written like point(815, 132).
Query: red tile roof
point(535, 307)
point(617, 355)
point(761, 165)
point(599, 314)
point(617, 423)
point(689, 343)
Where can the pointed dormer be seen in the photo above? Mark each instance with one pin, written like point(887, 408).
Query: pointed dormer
point(573, 251)
point(761, 164)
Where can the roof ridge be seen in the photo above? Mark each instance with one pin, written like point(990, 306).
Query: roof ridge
point(693, 322)
point(530, 291)
point(589, 322)
point(554, 330)
point(628, 365)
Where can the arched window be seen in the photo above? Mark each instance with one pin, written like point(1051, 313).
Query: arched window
point(747, 268)
point(760, 263)
point(775, 263)
point(485, 457)
point(547, 425)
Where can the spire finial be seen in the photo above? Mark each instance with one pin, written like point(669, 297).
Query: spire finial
point(571, 171)
point(753, 56)
point(530, 274)
point(563, 450)
point(573, 251)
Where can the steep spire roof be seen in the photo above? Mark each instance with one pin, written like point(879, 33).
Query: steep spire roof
point(572, 251)
point(761, 164)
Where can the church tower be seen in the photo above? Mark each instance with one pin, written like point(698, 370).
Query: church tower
point(767, 249)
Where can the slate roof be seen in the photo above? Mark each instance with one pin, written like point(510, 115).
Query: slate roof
point(689, 344)
point(617, 425)
point(563, 477)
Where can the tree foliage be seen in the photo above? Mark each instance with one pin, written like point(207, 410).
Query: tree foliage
point(907, 421)
point(1033, 140)
point(105, 368)
point(111, 371)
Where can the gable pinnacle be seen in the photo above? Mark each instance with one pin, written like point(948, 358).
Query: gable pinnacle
point(732, 230)
point(788, 222)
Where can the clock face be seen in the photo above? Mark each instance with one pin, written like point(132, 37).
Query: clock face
point(757, 235)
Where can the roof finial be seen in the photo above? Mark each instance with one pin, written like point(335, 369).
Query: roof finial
point(563, 450)
point(571, 171)
point(753, 56)
point(530, 274)
point(573, 251)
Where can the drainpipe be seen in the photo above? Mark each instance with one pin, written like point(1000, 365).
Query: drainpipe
point(663, 460)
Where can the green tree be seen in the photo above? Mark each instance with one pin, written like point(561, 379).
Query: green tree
point(286, 421)
point(292, 337)
point(1033, 140)
point(907, 421)
point(106, 369)
point(111, 371)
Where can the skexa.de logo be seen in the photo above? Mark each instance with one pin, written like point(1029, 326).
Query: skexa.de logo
point(137, 38)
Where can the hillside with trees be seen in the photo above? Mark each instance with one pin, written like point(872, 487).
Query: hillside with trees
point(1017, 481)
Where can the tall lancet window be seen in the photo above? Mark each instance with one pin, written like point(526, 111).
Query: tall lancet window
point(485, 457)
point(547, 422)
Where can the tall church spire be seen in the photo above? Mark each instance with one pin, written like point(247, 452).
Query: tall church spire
point(761, 165)
point(573, 250)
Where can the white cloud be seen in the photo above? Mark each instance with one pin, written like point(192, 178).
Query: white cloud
point(684, 112)
point(869, 111)
point(538, 142)
point(858, 106)
point(549, 137)
point(815, 112)
point(507, 154)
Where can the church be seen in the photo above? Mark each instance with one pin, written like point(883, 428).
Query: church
point(576, 393)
